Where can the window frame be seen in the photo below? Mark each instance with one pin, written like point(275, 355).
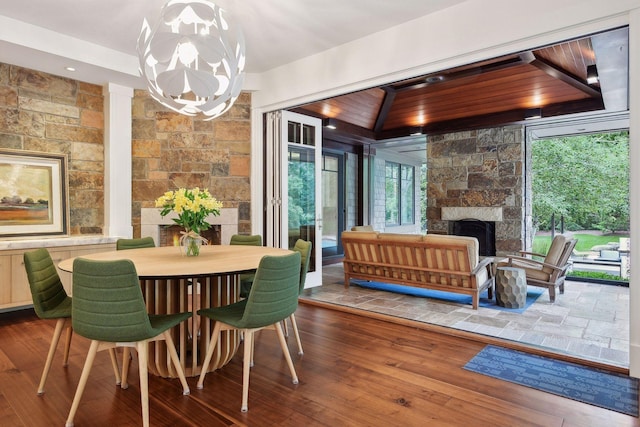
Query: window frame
point(400, 207)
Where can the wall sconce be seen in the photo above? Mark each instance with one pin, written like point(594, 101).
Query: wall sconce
point(330, 123)
point(592, 74)
point(191, 60)
point(533, 113)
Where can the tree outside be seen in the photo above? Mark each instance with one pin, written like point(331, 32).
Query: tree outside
point(584, 179)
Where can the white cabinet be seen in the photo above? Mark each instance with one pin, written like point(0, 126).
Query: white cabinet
point(14, 285)
point(20, 293)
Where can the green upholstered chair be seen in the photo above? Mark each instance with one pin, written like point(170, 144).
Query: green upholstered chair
point(273, 298)
point(143, 242)
point(246, 278)
point(249, 240)
point(108, 309)
point(50, 301)
point(304, 248)
point(122, 245)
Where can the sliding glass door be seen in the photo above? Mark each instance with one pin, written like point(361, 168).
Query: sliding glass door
point(332, 203)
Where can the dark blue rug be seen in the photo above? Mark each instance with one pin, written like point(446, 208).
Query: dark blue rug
point(608, 390)
point(532, 295)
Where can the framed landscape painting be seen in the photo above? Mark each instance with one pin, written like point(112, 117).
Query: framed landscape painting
point(33, 194)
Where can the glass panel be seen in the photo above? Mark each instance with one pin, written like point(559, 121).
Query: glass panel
point(330, 193)
point(392, 190)
point(301, 197)
point(309, 135)
point(408, 194)
point(330, 163)
point(294, 132)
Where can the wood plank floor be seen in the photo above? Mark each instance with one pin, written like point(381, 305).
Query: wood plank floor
point(356, 371)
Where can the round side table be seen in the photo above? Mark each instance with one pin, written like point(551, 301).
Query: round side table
point(511, 287)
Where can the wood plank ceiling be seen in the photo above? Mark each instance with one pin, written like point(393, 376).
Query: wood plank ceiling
point(488, 93)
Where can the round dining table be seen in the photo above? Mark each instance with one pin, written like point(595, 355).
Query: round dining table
point(172, 282)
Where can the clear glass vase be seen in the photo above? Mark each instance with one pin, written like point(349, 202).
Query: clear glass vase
point(190, 246)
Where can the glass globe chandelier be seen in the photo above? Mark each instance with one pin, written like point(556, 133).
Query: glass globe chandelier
point(191, 60)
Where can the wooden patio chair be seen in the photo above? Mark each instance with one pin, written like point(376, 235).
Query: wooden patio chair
point(549, 273)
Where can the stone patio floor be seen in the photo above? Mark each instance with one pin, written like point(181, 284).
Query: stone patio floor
point(589, 320)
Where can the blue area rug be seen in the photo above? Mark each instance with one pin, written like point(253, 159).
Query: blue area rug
point(608, 390)
point(532, 295)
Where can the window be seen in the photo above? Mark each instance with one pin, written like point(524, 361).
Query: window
point(399, 194)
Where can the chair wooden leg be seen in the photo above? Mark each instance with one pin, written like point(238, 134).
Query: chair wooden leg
point(176, 362)
point(294, 325)
point(60, 324)
point(285, 350)
point(246, 368)
point(126, 361)
point(285, 328)
point(210, 349)
point(143, 356)
point(67, 347)
point(114, 363)
point(91, 355)
point(253, 347)
point(552, 293)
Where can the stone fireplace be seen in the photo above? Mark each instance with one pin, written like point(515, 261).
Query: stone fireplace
point(225, 225)
point(479, 175)
point(484, 231)
point(475, 222)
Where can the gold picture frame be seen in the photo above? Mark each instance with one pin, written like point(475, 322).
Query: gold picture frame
point(33, 194)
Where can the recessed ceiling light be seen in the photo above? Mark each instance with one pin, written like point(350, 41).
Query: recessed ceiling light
point(330, 123)
point(434, 79)
point(533, 113)
point(69, 68)
point(415, 131)
point(592, 74)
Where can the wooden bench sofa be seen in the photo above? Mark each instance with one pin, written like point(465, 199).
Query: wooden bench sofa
point(432, 261)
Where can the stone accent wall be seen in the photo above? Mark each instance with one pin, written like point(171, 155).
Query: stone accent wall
point(479, 168)
point(46, 113)
point(170, 150)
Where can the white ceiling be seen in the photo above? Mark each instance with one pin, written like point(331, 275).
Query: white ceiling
point(48, 35)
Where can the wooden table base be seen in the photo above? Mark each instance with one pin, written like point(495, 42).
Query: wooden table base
point(165, 296)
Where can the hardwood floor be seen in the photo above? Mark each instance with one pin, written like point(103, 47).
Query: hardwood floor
point(356, 371)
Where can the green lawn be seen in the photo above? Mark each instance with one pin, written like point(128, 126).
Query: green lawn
point(585, 242)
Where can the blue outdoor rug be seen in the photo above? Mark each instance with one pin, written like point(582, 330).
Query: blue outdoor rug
point(608, 390)
point(532, 295)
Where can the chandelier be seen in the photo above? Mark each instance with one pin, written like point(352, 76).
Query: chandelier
point(191, 60)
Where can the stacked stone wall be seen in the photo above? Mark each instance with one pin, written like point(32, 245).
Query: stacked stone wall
point(40, 112)
point(171, 150)
point(479, 168)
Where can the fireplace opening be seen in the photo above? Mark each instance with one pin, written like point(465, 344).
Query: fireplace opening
point(170, 235)
point(484, 231)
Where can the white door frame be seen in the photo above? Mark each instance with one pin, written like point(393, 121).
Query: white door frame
point(276, 160)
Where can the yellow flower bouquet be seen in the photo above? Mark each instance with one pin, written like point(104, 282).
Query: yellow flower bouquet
point(192, 207)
